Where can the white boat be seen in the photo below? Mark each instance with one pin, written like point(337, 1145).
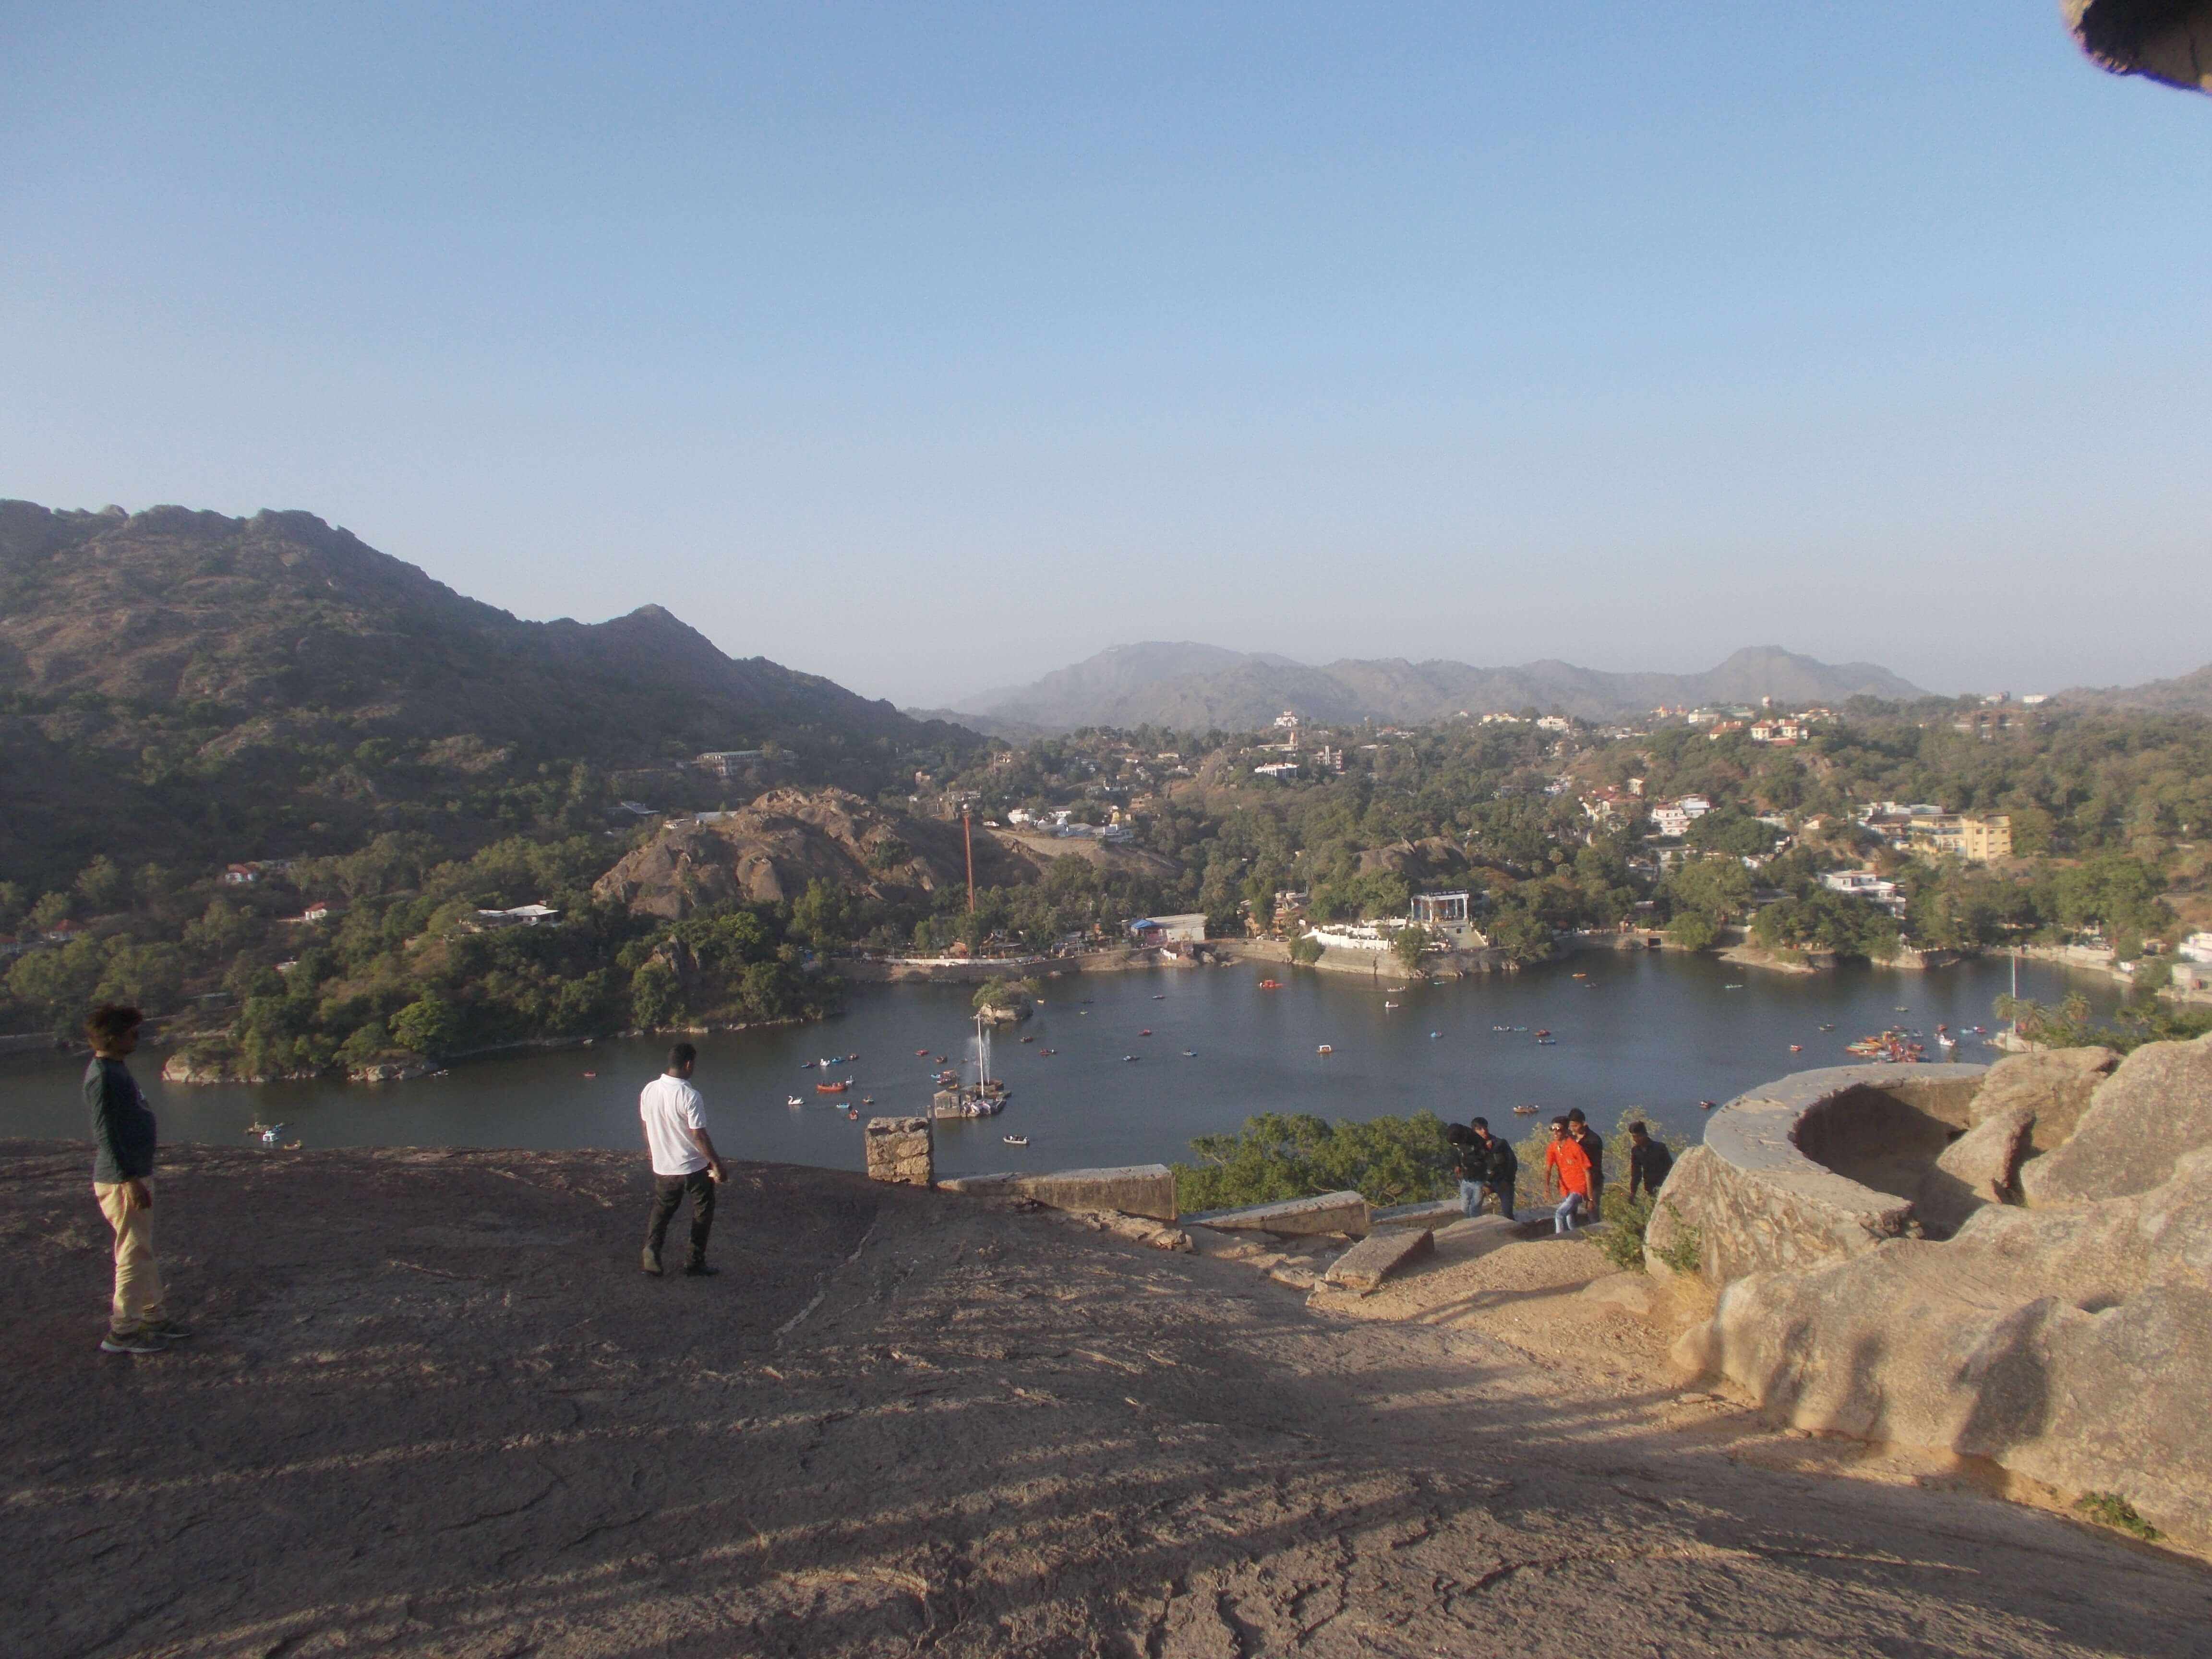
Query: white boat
point(1015, 1140)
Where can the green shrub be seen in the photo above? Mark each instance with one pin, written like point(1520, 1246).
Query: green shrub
point(1621, 1240)
point(1387, 1160)
point(1688, 1251)
point(2109, 1508)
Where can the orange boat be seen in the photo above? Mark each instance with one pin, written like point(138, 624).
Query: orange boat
point(1271, 985)
point(833, 1088)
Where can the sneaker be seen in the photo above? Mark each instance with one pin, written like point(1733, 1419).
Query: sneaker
point(131, 1342)
point(168, 1330)
point(652, 1262)
point(699, 1270)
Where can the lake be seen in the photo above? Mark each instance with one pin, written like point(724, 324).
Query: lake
point(1654, 1032)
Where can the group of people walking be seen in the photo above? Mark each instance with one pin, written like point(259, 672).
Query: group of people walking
point(1574, 1169)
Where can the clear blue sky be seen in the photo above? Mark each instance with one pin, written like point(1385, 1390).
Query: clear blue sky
point(932, 348)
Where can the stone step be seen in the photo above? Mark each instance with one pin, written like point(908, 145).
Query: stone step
point(1375, 1258)
point(1330, 1212)
point(1145, 1189)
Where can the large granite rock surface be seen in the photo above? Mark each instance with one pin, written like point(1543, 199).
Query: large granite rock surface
point(2155, 1106)
point(2070, 1344)
point(1979, 1168)
point(2053, 1085)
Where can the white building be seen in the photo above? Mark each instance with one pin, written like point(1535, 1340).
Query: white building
point(1864, 884)
point(1673, 818)
point(1554, 723)
point(2197, 947)
point(1283, 769)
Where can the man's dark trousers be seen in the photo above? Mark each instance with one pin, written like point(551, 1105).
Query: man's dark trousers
point(667, 1192)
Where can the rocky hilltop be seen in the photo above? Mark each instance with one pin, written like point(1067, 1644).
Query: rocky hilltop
point(1196, 687)
point(438, 1410)
point(773, 849)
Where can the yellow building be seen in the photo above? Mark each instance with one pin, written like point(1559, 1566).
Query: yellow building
point(1977, 839)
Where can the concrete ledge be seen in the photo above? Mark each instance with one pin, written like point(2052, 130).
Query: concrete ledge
point(1375, 1258)
point(1436, 1212)
point(1757, 1203)
point(1145, 1189)
point(1331, 1213)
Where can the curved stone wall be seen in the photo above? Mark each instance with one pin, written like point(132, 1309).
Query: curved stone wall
point(1773, 1187)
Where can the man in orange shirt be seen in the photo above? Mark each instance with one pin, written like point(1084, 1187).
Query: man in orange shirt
point(1566, 1174)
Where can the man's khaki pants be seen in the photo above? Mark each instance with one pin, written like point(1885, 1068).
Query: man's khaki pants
point(137, 1280)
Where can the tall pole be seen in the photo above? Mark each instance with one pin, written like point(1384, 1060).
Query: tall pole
point(967, 839)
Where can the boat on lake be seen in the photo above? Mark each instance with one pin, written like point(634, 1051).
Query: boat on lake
point(1015, 1140)
point(838, 1088)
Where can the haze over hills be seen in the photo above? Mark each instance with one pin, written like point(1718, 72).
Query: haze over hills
point(2184, 693)
point(1196, 687)
point(182, 684)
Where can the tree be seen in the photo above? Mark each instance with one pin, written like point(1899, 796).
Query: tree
point(1692, 930)
point(656, 997)
point(1305, 949)
point(427, 1025)
point(822, 915)
point(1407, 944)
point(102, 885)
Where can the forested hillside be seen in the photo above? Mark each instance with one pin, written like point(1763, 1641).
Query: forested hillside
point(188, 688)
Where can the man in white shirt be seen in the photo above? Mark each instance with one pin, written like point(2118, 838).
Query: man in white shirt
point(684, 1160)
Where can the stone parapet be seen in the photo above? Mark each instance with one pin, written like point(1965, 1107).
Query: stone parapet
point(1754, 1201)
point(1145, 1189)
point(903, 1150)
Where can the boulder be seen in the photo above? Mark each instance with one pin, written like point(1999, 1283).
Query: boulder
point(1976, 1168)
point(1376, 1257)
point(2071, 1346)
point(901, 1149)
point(1331, 1213)
point(1140, 1189)
point(2054, 1085)
point(2156, 1106)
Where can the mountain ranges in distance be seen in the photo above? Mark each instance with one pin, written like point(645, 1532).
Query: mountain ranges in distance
point(1190, 687)
point(182, 686)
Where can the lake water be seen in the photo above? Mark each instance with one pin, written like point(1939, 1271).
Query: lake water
point(1654, 1032)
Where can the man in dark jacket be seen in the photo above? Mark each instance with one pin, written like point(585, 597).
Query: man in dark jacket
point(1501, 1168)
point(123, 1182)
point(1592, 1145)
point(1470, 1158)
point(1649, 1161)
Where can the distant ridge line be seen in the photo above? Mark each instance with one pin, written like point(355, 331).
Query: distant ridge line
point(1187, 685)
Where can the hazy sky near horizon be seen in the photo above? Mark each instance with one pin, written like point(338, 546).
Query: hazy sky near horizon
point(932, 348)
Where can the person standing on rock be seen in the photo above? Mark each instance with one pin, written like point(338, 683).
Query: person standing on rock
point(1501, 1169)
point(123, 1140)
point(1566, 1176)
point(1592, 1145)
point(1649, 1161)
point(685, 1161)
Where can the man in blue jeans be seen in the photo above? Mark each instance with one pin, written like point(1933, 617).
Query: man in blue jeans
point(1470, 1163)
